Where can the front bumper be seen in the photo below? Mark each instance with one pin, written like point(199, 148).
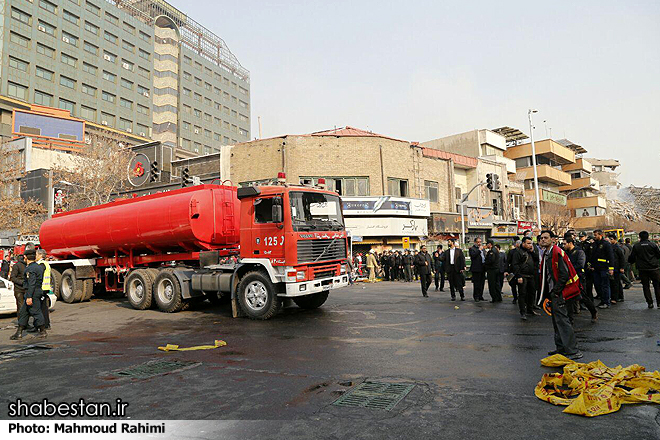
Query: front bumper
point(315, 286)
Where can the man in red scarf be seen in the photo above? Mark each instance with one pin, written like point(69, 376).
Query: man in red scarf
point(558, 281)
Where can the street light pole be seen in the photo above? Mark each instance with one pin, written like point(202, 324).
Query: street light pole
point(536, 175)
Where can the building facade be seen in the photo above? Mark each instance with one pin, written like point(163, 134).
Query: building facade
point(140, 67)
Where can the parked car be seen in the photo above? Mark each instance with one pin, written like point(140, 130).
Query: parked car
point(8, 301)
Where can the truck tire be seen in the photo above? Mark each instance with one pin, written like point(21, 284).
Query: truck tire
point(71, 288)
point(313, 301)
point(88, 289)
point(138, 288)
point(257, 296)
point(154, 273)
point(55, 282)
point(167, 292)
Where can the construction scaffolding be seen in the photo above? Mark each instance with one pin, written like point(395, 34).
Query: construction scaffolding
point(193, 35)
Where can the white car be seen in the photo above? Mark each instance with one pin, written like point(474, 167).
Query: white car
point(8, 301)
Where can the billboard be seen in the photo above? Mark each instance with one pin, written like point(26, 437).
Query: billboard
point(480, 217)
point(386, 205)
point(49, 127)
point(386, 227)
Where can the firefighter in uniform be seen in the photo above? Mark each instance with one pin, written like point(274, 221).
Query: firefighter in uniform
point(602, 264)
point(34, 275)
point(45, 287)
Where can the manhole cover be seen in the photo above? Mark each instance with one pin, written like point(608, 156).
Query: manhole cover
point(28, 350)
point(375, 395)
point(154, 368)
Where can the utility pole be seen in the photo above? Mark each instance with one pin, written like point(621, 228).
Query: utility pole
point(536, 174)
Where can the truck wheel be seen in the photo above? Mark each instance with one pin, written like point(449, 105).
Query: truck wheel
point(313, 301)
point(55, 282)
point(154, 273)
point(88, 289)
point(138, 287)
point(257, 296)
point(71, 289)
point(167, 292)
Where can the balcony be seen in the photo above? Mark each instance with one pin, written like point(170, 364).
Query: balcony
point(546, 173)
point(583, 182)
point(587, 202)
point(548, 148)
point(589, 222)
point(579, 165)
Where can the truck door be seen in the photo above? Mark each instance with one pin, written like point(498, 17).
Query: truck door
point(268, 231)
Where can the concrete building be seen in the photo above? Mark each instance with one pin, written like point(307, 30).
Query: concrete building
point(604, 171)
point(137, 66)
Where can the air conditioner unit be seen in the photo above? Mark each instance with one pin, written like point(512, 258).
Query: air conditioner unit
point(142, 133)
point(196, 131)
point(104, 122)
point(146, 94)
point(196, 150)
point(41, 28)
point(130, 130)
point(107, 57)
point(126, 66)
point(66, 39)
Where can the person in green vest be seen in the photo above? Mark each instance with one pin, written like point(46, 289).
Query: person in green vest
point(45, 287)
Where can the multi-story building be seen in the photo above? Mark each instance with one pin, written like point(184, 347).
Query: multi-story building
point(138, 66)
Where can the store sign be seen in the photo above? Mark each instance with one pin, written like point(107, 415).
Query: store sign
point(386, 205)
point(443, 223)
point(405, 241)
point(553, 197)
point(356, 239)
point(386, 227)
point(480, 217)
point(504, 231)
point(524, 226)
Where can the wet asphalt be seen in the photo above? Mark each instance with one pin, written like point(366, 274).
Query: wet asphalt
point(474, 366)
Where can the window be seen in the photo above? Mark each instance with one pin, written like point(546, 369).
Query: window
point(89, 47)
point(110, 57)
point(46, 28)
point(186, 126)
point(217, 105)
point(67, 105)
point(45, 50)
point(208, 102)
point(242, 132)
point(68, 60)
point(126, 103)
point(217, 91)
point(90, 27)
point(207, 117)
point(87, 113)
point(129, 28)
point(21, 16)
point(93, 8)
point(111, 18)
point(88, 90)
point(243, 104)
point(187, 60)
point(217, 121)
point(67, 82)
point(144, 72)
point(89, 69)
point(18, 64)
point(145, 37)
point(242, 91)
point(225, 96)
point(216, 137)
point(225, 140)
point(208, 71)
point(109, 97)
point(397, 187)
point(234, 114)
point(127, 65)
point(45, 74)
point(142, 129)
point(234, 128)
point(126, 84)
point(17, 91)
point(263, 210)
point(142, 109)
point(125, 124)
point(128, 46)
point(346, 186)
point(187, 109)
point(198, 81)
point(523, 162)
point(186, 92)
point(242, 117)
point(70, 39)
point(142, 90)
point(19, 39)
point(187, 76)
point(198, 129)
point(108, 119)
point(198, 66)
point(208, 86)
point(143, 54)
point(234, 100)
point(207, 134)
point(50, 7)
point(185, 143)
point(42, 98)
point(72, 18)
point(431, 191)
point(112, 38)
point(198, 113)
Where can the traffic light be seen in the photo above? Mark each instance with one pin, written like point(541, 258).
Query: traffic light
point(185, 177)
point(496, 182)
point(154, 174)
point(489, 181)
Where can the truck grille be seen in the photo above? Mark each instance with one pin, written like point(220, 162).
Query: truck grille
point(310, 250)
point(324, 272)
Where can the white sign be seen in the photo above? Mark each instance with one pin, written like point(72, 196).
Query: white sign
point(323, 209)
point(387, 226)
point(386, 205)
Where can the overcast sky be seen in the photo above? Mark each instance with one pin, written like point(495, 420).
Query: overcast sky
point(421, 70)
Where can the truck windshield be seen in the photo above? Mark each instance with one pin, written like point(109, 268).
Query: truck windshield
point(311, 211)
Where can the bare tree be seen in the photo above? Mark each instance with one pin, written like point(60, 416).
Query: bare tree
point(95, 174)
point(556, 217)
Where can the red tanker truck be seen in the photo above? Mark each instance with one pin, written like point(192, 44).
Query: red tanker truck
point(257, 247)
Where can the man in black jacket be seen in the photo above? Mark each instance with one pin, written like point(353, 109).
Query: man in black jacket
point(477, 259)
point(525, 267)
point(438, 268)
point(34, 275)
point(578, 260)
point(616, 286)
point(492, 266)
point(646, 256)
point(17, 276)
point(4, 266)
point(423, 263)
point(454, 264)
point(602, 259)
point(509, 269)
point(407, 266)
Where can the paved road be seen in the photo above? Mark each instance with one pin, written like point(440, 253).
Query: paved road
point(475, 366)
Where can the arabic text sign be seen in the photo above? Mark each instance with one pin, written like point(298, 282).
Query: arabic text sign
point(386, 226)
point(480, 217)
point(446, 223)
point(386, 205)
point(504, 231)
point(524, 226)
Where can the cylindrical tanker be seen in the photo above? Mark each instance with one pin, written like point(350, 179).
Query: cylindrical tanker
point(202, 217)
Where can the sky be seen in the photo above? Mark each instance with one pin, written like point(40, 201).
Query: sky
point(421, 70)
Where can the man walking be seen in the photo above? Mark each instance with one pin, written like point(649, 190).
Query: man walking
point(509, 269)
point(578, 260)
point(438, 268)
point(454, 265)
point(372, 266)
point(616, 286)
point(407, 266)
point(646, 255)
point(492, 267)
point(477, 259)
point(17, 276)
point(524, 266)
point(557, 285)
point(423, 264)
point(34, 275)
point(627, 249)
point(45, 287)
point(602, 259)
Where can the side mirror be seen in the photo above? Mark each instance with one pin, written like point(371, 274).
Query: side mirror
point(278, 216)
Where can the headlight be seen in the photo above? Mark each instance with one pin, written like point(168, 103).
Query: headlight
point(300, 275)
